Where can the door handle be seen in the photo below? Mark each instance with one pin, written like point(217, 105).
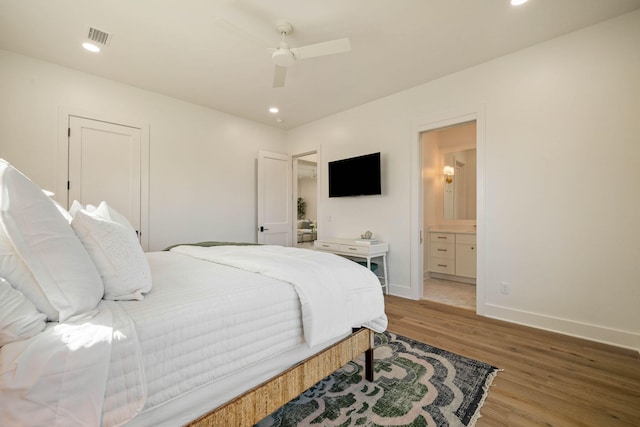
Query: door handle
point(262, 229)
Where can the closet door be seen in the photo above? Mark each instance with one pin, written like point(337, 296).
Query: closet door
point(104, 164)
point(274, 199)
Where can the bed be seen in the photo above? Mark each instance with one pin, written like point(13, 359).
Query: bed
point(95, 332)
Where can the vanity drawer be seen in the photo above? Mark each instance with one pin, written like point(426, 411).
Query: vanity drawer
point(442, 265)
point(466, 238)
point(443, 250)
point(443, 237)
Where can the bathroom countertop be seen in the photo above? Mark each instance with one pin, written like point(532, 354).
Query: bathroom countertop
point(452, 229)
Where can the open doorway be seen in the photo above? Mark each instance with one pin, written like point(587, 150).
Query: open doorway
point(305, 190)
point(449, 183)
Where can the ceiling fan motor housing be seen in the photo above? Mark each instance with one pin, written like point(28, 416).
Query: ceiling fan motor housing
point(283, 57)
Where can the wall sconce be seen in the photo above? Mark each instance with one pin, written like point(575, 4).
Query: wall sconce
point(449, 172)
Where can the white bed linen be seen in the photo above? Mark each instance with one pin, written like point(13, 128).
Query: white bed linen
point(335, 293)
point(202, 322)
point(214, 321)
point(58, 377)
point(200, 401)
point(199, 328)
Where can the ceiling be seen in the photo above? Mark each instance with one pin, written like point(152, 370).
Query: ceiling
point(214, 53)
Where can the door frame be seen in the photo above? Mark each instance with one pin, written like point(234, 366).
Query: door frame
point(418, 234)
point(294, 192)
point(61, 196)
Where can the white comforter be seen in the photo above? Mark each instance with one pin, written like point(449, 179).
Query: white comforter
point(105, 367)
point(328, 286)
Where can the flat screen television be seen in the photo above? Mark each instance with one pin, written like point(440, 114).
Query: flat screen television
point(355, 176)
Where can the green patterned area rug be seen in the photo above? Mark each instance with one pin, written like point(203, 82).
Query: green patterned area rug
point(415, 385)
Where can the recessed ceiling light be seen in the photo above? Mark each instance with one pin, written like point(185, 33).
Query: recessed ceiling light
point(273, 110)
point(518, 2)
point(90, 47)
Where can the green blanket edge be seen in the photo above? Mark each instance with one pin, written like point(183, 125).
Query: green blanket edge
point(212, 243)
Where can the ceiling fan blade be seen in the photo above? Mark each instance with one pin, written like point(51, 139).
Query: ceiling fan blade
point(279, 76)
point(321, 49)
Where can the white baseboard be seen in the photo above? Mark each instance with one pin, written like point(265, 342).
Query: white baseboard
point(572, 328)
point(402, 291)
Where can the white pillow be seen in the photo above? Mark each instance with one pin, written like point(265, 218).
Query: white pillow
point(116, 252)
point(19, 318)
point(16, 271)
point(122, 220)
point(67, 215)
point(47, 245)
point(75, 207)
point(113, 215)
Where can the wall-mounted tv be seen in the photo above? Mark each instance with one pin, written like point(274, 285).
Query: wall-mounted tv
point(355, 176)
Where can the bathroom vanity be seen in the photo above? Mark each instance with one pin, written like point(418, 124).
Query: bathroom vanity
point(452, 254)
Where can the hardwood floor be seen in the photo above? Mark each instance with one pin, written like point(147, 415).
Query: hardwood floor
point(547, 379)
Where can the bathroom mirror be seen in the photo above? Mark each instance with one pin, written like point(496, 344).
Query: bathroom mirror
point(459, 189)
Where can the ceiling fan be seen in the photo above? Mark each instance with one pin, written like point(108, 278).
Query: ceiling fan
point(283, 56)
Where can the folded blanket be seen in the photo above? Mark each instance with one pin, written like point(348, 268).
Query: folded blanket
point(335, 294)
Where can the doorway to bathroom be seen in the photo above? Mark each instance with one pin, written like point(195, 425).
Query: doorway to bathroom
point(305, 190)
point(449, 183)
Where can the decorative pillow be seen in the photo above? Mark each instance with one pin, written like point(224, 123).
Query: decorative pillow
point(113, 215)
point(75, 207)
point(19, 318)
point(115, 251)
point(122, 220)
point(48, 247)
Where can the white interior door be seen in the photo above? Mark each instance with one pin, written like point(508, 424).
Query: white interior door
point(274, 199)
point(104, 164)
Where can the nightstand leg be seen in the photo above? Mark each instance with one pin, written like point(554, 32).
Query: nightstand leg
point(386, 279)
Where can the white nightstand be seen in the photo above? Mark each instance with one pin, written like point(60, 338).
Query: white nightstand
point(352, 248)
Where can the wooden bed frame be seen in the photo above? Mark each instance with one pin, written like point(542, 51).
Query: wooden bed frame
point(262, 400)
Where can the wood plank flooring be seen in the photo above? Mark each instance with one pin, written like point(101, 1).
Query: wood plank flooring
point(547, 379)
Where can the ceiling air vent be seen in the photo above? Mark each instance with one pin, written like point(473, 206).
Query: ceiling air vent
point(98, 37)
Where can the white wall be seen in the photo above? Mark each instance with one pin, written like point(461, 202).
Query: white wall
point(202, 162)
point(561, 175)
point(561, 167)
